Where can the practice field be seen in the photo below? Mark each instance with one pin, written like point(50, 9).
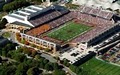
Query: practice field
point(69, 31)
point(98, 67)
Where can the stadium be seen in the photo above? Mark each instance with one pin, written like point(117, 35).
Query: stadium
point(56, 27)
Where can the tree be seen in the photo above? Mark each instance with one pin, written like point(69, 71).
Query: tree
point(20, 49)
point(27, 43)
point(41, 60)
point(15, 5)
point(33, 71)
point(34, 63)
point(47, 50)
point(73, 68)
point(10, 54)
point(45, 61)
point(26, 51)
point(6, 69)
point(9, 47)
point(3, 23)
point(59, 72)
point(10, 70)
point(47, 67)
point(33, 53)
point(78, 70)
point(37, 57)
point(65, 62)
point(55, 66)
point(19, 57)
point(0, 59)
point(21, 69)
point(4, 52)
point(42, 65)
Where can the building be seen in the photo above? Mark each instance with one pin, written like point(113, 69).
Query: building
point(24, 15)
point(41, 20)
point(105, 4)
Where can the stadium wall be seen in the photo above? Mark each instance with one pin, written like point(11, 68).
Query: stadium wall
point(40, 42)
point(104, 35)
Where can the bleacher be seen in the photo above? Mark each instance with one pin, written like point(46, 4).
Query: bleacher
point(101, 22)
point(51, 14)
point(97, 12)
point(39, 30)
point(52, 24)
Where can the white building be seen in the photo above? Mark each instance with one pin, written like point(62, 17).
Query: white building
point(23, 15)
point(98, 3)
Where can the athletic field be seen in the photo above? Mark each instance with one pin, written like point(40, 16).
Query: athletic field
point(98, 67)
point(69, 31)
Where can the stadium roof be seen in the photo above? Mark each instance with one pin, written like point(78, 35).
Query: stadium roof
point(22, 15)
point(30, 14)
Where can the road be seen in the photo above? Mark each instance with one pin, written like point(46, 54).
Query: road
point(9, 59)
point(50, 58)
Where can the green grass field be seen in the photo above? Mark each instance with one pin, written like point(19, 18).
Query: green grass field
point(69, 31)
point(98, 67)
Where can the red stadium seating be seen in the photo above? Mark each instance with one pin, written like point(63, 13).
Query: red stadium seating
point(39, 30)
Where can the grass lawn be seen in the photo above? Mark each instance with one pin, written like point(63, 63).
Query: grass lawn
point(69, 31)
point(97, 67)
point(6, 35)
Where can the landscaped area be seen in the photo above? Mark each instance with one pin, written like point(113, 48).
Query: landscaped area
point(6, 35)
point(69, 31)
point(98, 67)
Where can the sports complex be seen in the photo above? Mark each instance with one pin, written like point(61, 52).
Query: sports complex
point(58, 28)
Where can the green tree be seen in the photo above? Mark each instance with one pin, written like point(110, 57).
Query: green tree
point(3, 23)
point(10, 70)
point(15, 5)
point(65, 62)
point(55, 66)
point(4, 52)
point(33, 53)
point(37, 57)
point(10, 54)
point(33, 71)
point(47, 67)
point(19, 57)
point(42, 65)
point(26, 51)
point(45, 61)
point(0, 59)
point(73, 68)
point(59, 72)
point(21, 69)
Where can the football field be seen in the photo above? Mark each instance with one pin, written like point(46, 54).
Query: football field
point(98, 67)
point(69, 31)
